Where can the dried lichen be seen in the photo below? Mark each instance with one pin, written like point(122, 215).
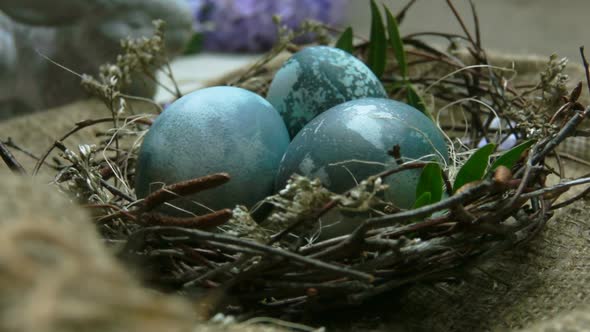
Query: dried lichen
point(303, 199)
point(242, 225)
point(545, 100)
point(300, 199)
point(84, 178)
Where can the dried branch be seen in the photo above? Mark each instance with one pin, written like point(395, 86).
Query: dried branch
point(183, 188)
point(10, 161)
point(225, 239)
point(207, 221)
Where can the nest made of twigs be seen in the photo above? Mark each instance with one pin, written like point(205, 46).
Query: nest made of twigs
point(276, 264)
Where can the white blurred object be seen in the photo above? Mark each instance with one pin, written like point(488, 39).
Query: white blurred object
point(504, 142)
point(81, 35)
point(195, 71)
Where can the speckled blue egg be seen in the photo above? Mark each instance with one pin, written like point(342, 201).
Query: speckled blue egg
point(317, 78)
point(218, 129)
point(349, 142)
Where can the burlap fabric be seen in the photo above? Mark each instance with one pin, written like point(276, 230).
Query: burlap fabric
point(56, 275)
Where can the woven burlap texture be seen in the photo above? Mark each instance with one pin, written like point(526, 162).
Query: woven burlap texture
point(56, 275)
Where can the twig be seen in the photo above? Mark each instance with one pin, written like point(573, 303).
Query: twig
point(460, 20)
point(563, 186)
point(476, 23)
point(10, 161)
point(10, 143)
point(402, 13)
point(119, 210)
point(571, 200)
point(587, 70)
point(116, 191)
point(565, 132)
point(183, 188)
point(221, 238)
point(142, 99)
point(435, 33)
point(206, 221)
point(78, 126)
point(170, 75)
point(450, 202)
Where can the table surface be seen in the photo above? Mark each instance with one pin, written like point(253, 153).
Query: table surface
point(192, 72)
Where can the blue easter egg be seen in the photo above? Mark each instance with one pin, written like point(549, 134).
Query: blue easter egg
point(350, 142)
point(218, 129)
point(316, 79)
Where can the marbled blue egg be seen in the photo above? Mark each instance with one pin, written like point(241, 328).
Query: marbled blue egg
point(349, 142)
point(316, 79)
point(218, 129)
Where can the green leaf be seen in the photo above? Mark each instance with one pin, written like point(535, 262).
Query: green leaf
point(510, 157)
point(195, 44)
point(345, 41)
point(475, 167)
point(422, 200)
point(377, 44)
point(395, 85)
point(415, 100)
point(431, 181)
point(395, 40)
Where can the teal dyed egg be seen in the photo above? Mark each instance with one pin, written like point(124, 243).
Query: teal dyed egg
point(218, 129)
point(316, 79)
point(349, 143)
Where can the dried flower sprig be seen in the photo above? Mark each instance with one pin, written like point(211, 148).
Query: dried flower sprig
point(140, 56)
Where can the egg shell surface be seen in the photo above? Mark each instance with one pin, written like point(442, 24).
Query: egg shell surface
point(218, 129)
point(349, 143)
point(317, 78)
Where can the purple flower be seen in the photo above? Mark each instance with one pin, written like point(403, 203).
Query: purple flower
point(247, 26)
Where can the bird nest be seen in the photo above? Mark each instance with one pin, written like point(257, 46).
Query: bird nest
point(270, 260)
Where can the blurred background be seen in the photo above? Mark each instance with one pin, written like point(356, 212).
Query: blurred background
point(230, 34)
point(512, 26)
point(516, 26)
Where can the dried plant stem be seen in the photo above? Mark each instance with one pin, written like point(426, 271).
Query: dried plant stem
point(119, 210)
point(225, 239)
point(460, 20)
point(587, 70)
point(10, 161)
point(330, 205)
point(116, 191)
point(144, 100)
point(565, 132)
point(399, 17)
point(78, 126)
point(184, 188)
point(560, 188)
point(170, 75)
point(207, 221)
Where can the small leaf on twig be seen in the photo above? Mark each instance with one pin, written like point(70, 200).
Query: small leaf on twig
point(423, 200)
point(475, 167)
point(345, 41)
point(377, 45)
point(431, 181)
point(416, 101)
point(510, 157)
